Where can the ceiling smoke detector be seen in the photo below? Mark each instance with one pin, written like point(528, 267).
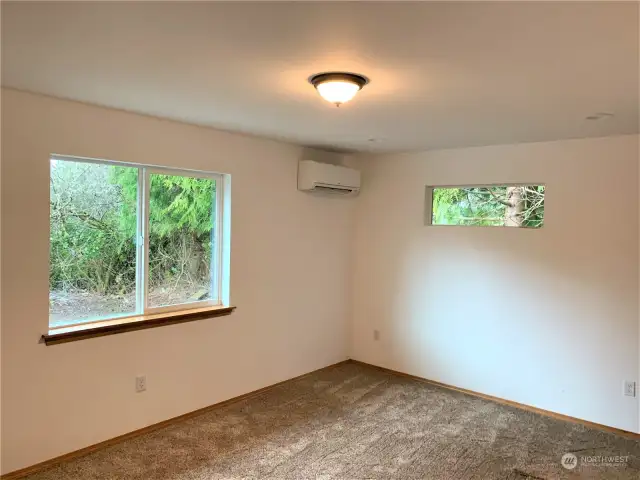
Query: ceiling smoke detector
point(338, 87)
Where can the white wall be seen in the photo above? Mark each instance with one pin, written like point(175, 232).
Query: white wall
point(547, 317)
point(289, 280)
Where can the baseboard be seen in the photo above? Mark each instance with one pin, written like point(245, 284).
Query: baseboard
point(23, 472)
point(521, 406)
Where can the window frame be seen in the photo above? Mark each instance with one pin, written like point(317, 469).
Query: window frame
point(218, 271)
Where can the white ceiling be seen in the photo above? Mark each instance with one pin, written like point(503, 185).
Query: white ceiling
point(443, 74)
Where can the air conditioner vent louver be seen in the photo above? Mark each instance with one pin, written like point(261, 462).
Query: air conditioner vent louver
point(328, 178)
point(339, 190)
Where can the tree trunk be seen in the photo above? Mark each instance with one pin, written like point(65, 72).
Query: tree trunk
point(196, 254)
point(513, 212)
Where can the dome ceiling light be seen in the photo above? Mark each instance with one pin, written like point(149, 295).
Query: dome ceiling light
point(338, 87)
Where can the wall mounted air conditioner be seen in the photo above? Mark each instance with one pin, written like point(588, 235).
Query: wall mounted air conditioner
point(324, 177)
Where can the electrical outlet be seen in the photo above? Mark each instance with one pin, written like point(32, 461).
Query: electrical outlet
point(376, 335)
point(629, 388)
point(141, 383)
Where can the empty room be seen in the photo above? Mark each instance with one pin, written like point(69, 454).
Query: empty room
point(320, 240)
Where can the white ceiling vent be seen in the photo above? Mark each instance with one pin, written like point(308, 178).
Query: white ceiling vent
point(324, 177)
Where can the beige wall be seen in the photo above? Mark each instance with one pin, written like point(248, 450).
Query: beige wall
point(545, 317)
point(289, 280)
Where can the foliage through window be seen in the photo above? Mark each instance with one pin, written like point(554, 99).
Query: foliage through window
point(128, 240)
point(493, 206)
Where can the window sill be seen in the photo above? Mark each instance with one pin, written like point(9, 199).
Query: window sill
point(130, 324)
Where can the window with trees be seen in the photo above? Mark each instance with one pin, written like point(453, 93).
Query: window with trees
point(127, 240)
point(490, 206)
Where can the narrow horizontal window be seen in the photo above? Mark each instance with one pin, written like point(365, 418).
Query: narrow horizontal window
point(488, 206)
point(128, 241)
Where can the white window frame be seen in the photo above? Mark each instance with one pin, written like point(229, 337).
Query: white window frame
point(219, 256)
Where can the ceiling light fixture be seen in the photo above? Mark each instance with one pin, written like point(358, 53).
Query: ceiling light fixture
point(338, 87)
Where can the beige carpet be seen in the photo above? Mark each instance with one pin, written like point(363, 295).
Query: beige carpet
point(356, 422)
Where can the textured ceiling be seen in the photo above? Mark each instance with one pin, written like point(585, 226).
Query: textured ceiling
point(444, 74)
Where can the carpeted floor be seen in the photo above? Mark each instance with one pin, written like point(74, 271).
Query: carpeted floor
point(357, 422)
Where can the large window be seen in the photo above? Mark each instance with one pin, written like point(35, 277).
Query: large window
point(128, 240)
point(489, 206)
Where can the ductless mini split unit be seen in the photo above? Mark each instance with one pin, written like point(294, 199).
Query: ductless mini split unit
point(328, 178)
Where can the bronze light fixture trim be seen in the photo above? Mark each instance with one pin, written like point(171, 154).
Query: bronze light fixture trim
point(338, 87)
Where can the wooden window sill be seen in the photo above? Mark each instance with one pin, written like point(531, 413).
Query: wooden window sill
point(130, 324)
